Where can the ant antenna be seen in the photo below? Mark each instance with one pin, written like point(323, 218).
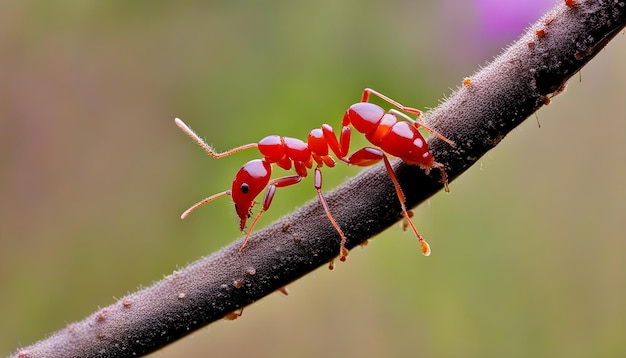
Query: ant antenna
point(204, 201)
point(185, 128)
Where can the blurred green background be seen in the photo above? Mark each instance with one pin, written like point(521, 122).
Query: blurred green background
point(528, 248)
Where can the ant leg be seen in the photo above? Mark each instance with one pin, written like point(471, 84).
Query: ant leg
point(267, 200)
point(204, 201)
point(365, 157)
point(368, 91)
point(444, 175)
point(343, 252)
point(405, 224)
point(407, 216)
point(185, 128)
point(368, 156)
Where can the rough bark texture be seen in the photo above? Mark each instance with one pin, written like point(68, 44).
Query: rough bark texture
point(477, 117)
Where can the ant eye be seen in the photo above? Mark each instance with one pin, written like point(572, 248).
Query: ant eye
point(244, 188)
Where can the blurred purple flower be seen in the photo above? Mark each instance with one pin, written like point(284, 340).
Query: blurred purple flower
point(479, 29)
point(505, 20)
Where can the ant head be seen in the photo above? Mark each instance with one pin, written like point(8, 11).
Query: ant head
point(250, 180)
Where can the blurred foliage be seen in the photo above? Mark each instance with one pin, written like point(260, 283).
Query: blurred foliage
point(527, 248)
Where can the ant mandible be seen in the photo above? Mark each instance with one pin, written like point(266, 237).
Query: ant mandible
point(383, 129)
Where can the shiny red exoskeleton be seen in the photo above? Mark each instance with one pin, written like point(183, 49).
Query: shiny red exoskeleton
point(388, 134)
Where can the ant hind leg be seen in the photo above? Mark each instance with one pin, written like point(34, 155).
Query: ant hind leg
point(405, 213)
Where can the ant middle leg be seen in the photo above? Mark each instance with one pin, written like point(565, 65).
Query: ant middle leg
point(343, 252)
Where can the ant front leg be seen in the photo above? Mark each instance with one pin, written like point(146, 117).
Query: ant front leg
point(267, 200)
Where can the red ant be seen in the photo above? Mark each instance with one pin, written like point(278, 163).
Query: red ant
point(383, 129)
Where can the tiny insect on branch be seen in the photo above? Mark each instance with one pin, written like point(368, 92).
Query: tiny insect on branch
point(382, 128)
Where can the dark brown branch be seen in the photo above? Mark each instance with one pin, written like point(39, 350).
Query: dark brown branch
point(477, 116)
